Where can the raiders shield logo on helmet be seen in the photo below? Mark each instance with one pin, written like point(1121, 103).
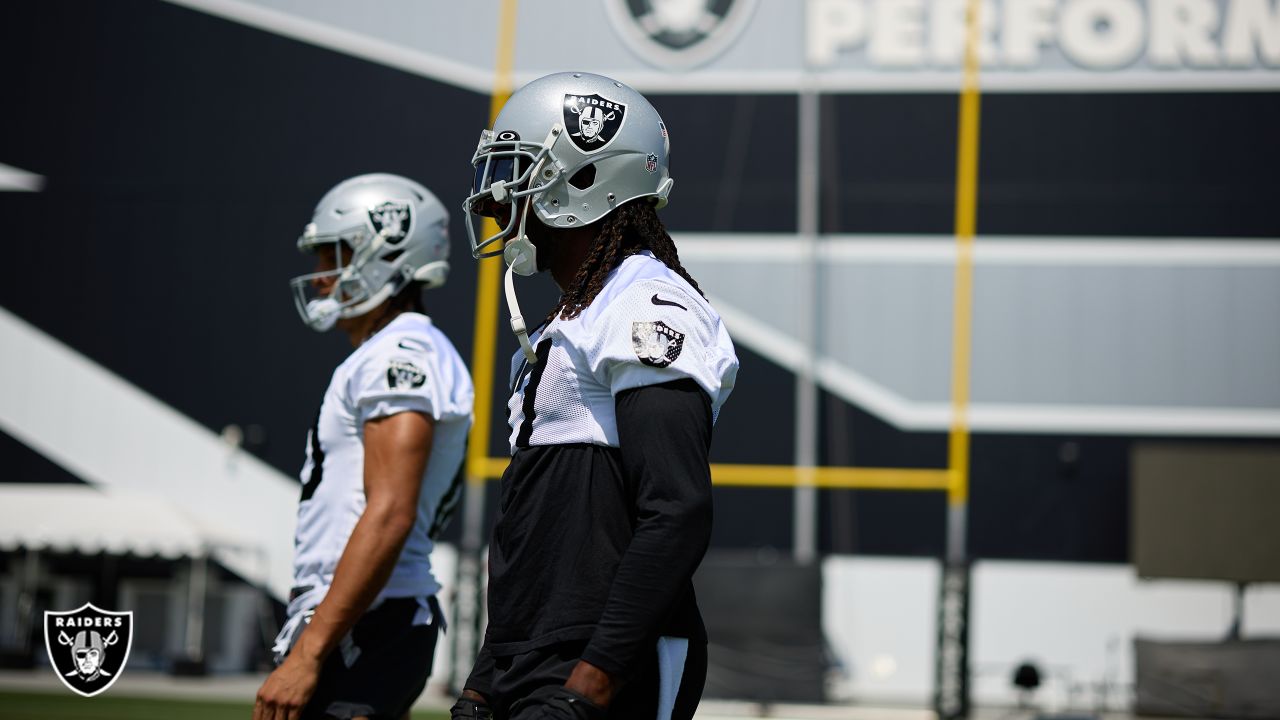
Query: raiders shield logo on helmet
point(679, 33)
point(656, 343)
point(88, 647)
point(394, 219)
point(593, 121)
point(403, 374)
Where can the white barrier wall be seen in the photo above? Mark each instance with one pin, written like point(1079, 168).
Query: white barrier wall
point(1077, 622)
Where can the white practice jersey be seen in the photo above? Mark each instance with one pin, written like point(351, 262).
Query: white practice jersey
point(407, 366)
point(647, 326)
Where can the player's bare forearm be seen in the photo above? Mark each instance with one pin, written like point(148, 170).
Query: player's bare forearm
point(362, 571)
point(365, 565)
point(396, 451)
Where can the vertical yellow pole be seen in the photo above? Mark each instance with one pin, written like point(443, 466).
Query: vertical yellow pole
point(489, 272)
point(966, 227)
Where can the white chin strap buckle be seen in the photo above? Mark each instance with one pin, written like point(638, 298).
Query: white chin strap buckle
point(521, 256)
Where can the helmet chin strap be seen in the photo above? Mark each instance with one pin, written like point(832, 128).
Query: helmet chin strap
point(521, 258)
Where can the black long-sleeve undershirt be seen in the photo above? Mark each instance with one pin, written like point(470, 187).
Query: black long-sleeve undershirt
point(664, 436)
point(600, 544)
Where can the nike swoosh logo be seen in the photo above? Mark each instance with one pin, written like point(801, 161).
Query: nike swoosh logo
point(414, 348)
point(659, 301)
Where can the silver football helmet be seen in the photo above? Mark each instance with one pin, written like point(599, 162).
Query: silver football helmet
point(573, 146)
point(387, 231)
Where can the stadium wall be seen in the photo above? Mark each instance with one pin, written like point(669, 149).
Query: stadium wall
point(181, 152)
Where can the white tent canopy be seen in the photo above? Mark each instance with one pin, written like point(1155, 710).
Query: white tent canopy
point(87, 519)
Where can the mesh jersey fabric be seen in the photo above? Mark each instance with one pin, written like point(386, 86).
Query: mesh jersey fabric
point(646, 327)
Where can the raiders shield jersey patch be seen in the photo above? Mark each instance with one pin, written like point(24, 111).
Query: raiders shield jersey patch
point(656, 343)
point(593, 121)
point(402, 374)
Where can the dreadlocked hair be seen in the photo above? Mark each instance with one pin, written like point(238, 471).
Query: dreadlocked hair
point(630, 229)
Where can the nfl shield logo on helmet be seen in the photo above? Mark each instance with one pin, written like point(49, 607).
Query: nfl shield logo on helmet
point(392, 219)
point(593, 121)
point(651, 162)
point(88, 647)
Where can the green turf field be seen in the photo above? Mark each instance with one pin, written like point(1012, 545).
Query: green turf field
point(66, 706)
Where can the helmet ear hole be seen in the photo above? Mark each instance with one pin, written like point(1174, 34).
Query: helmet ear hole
point(584, 178)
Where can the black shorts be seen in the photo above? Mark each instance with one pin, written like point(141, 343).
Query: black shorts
point(521, 683)
point(391, 670)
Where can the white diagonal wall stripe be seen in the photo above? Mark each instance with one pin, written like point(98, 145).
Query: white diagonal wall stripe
point(108, 432)
point(847, 384)
point(1072, 335)
point(997, 250)
point(13, 179)
point(298, 26)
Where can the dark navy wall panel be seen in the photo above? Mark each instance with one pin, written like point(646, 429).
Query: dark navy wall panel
point(183, 154)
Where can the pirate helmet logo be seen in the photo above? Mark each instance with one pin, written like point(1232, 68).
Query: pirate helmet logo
point(679, 34)
point(593, 121)
point(88, 647)
point(394, 220)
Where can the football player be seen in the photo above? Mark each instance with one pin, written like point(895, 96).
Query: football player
point(381, 475)
point(605, 507)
